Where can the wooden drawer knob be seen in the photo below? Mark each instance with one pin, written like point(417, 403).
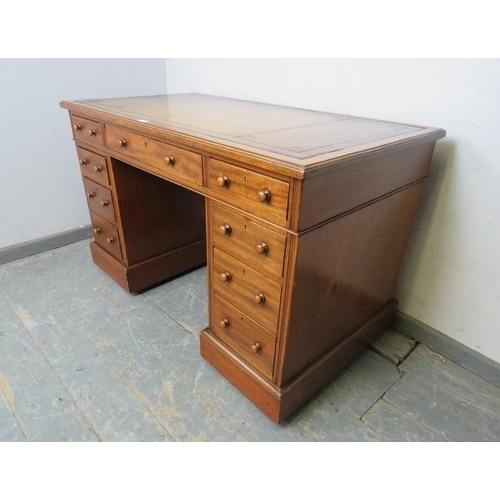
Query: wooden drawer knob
point(262, 247)
point(224, 323)
point(98, 168)
point(264, 195)
point(91, 194)
point(222, 181)
point(123, 143)
point(225, 276)
point(225, 229)
point(256, 347)
point(110, 240)
point(97, 230)
point(92, 131)
point(77, 127)
point(169, 160)
point(259, 298)
point(104, 203)
point(83, 161)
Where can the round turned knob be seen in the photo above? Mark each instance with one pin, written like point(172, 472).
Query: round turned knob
point(98, 168)
point(256, 347)
point(222, 180)
point(262, 247)
point(92, 131)
point(110, 240)
point(169, 160)
point(97, 230)
point(83, 161)
point(123, 143)
point(90, 194)
point(225, 229)
point(77, 127)
point(104, 203)
point(259, 298)
point(264, 195)
point(225, 276)
point(224, 323)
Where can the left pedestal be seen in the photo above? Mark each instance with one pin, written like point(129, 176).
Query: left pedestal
point(146, 229)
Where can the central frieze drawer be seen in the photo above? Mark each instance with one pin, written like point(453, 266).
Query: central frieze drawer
point(249, 290)
point(176, 163)
point(238, 186)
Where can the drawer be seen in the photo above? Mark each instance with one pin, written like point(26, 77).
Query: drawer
point(249, 340)
point(262, 194)
point(260, 248)
point(176, 163)
point(87, 130)
point(250, 291)
point(99, 199)
point(106, 235)
point(93, 166)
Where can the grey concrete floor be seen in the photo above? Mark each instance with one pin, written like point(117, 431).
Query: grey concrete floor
point(82, 360)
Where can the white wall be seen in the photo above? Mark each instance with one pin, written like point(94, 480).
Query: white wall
point(451, 275)
point(41, 186)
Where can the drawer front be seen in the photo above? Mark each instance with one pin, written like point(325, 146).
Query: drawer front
point(87, 130)
point(176, 163)
point(261, 248)
point(249, 340)
point(262, 194)
point(99, 199)
point(93, 166)
point(248, 290)
point(106, 235)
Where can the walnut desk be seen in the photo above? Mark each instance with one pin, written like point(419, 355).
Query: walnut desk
point(303, 218)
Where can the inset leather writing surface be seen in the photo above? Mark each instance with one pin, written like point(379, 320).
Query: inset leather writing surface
point(298, 136)
point(325, 137)
point(212, 115)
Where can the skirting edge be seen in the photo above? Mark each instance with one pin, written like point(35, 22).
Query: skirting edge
point(472, 360)
point(45, 244)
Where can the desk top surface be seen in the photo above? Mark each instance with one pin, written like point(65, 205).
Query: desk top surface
point(298, 137)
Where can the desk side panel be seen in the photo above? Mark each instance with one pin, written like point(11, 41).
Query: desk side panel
point(345, 271)
point(343, 189)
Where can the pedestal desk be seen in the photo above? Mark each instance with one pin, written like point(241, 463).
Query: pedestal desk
point(302, 217)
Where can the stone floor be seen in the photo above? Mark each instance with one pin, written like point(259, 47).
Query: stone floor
point(82, 360)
